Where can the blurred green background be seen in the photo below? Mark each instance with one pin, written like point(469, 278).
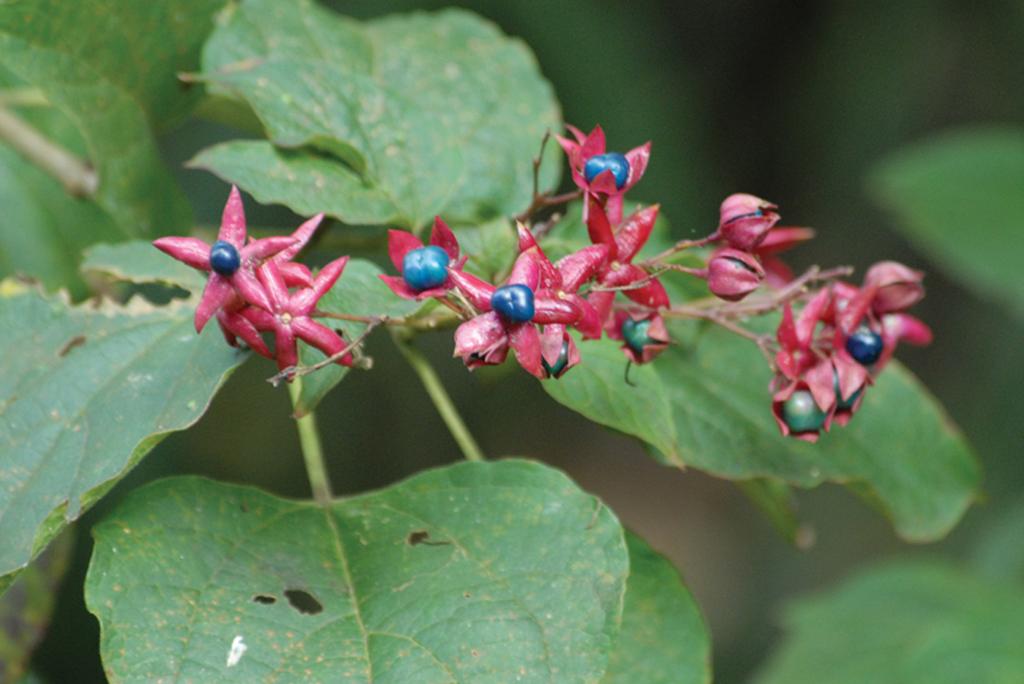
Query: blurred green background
point(792, 101)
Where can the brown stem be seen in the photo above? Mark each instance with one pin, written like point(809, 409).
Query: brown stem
point(77, 177)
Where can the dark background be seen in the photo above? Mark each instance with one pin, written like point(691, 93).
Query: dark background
point(791, 101)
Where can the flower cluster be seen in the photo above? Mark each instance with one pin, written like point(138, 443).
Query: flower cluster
point(255, 287)
point(841, 340)
point(824, 357)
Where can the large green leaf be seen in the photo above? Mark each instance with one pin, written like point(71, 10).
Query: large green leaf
point(401, 118)
point(478, 572)
point(359, 292)
point(663, 639)
point(912, 623)
point(86, 392)
point(960, 198)
point(706, 404)
point(26, 608)
point(44, 230)
point(109, 66)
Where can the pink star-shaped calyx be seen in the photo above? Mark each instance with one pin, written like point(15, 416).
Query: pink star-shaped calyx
point(619, 271)
point(401, 242)
point(220, 291)
point(584, 146)
point(289, 315)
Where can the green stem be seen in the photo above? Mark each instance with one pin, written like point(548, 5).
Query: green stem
point(443, 403)
point(312, 452)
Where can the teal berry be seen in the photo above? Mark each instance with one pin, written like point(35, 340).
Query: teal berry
point(864, 345)
point(224, 258)
point(844, 404)
point(514, 303)
point(635, 334)
point(559, 366)
point(801, 413)
point(609, 161)
point(425, 268)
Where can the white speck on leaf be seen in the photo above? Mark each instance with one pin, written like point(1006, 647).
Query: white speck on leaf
point(237, 650)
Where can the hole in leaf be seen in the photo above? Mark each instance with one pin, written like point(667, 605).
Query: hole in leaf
point(303, 601)
point(265, 599)
point(423, 537)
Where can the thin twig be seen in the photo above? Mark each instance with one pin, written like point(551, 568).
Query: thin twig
point(437, 321)
point(542, 229)
point(77, 177)
point(293, 372)
point(791, 291)
point(679, 247)
point(538, 160)
point(653, 275)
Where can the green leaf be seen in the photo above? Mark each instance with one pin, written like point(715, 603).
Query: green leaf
point(140, 262)
point(91, 390)
point(359, 292)
point(998, 552)
point(903, 624)
point(26, 607)
point(707, 406)
point(139, 47)
point(412, 115)
point(478, 572)
point(45, 229)
point(960, 198)
point(491, 247)
point(306, 183)
point(104, 64)
point(663, 639)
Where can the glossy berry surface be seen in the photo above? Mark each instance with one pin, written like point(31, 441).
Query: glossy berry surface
point(224, 258)
point(865, 346)
point(613, 161)
point(514, 303)
point(634, 333)
point(560, 364)
point(425, 268)
point(844, 404)
point(801, 413)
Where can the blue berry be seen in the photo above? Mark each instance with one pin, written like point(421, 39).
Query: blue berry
point(425, 268)
point(635, 334)
point(560, 364)
point(844, 404)
point(801, 413)
point(514, 303)
point(617, 163)
point(224, 258)
point(864, 345)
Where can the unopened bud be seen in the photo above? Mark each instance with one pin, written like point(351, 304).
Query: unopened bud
point(733, 274)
